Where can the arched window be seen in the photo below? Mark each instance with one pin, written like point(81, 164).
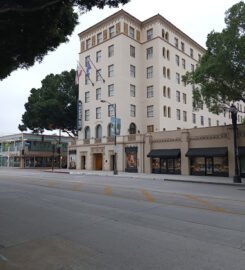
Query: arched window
point(166, 36)
point(98, 132)
point(87, 133)
point(132, 128)
point(109, 130)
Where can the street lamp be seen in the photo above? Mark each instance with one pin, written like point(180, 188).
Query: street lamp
point(115, 135)
point(233, 110)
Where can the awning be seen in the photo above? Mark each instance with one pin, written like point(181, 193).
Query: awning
point(164, 153)
point(241, 151)
point(207, 152)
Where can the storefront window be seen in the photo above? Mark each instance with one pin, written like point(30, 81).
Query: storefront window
point(217, 166)
point(166, 165)
point(155, 165)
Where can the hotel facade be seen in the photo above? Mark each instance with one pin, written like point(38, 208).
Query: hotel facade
point(134, 68)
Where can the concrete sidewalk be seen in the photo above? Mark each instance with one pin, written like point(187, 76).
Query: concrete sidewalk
point(164, 177)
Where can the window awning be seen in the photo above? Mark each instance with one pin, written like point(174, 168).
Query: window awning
point(241, 151)
point(164, 153)
point(207, 152)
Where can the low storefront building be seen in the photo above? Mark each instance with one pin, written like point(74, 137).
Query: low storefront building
point(198, 151)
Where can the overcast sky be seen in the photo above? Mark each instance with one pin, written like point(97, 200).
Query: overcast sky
point(196, 18)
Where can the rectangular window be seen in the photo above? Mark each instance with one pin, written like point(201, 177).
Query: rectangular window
point(178, 114)
point(150, 92)
point(202, 120)
point(87, 97)
point(110, 110)
point(98, 74)
point(98, 113)
point(149, 34)
point(110, 71)
point(177, 78)
point(111, 90)
point(132, 110)
point(132, 51)
point(98, 57)
point(184, 98)
point(88, 43)
point(87, 60)
point(149, 72)
point(194, 120)
point(86, 115)
point(183, 63)
point(132, 90)
point(150, 111)
point(184, 116)
point(98, 93)
point(149, 53)
point(217, 122)
point(132, 71)
point(150, 128)
point(182, 46)
point(111, 51)
point(99, 38)
point(176, 42)
point(192, 67)
point(178, 96)
point(177, 59)
point(191, 53)
point(131, 32)
point(209, 122)
point(111, 31)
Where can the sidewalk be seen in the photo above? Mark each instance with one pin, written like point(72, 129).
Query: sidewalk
point(164, 177)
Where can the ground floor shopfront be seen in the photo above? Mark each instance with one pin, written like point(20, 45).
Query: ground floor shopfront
point(167, 152)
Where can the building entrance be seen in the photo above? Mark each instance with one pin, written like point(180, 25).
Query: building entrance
point(98, 162)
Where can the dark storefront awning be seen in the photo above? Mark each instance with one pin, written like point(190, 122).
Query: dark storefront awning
point(207, 152)
point(164, 153)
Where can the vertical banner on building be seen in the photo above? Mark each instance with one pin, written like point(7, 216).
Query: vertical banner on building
point(115, 122)
point(79, 115)
point(131, 159)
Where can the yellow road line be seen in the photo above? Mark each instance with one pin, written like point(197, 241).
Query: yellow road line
point(77, 187)
point(107, 191)
point(148, 196)
point(52, 184)
point(209, 205)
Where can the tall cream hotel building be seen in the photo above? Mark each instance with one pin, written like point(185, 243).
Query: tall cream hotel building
point(138, 66)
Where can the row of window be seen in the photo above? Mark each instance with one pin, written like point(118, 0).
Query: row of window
point(149, 93)
point(165, 35)
point(98, 131)
point(111, 112)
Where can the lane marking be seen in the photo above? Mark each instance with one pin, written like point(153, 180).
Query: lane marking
point(77, 187)
point(148, 196)
point(107, 190)
point(209, 205)
point(52, 184)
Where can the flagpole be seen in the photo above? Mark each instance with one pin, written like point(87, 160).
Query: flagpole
point(85, 73)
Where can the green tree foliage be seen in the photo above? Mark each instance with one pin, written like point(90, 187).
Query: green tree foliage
point(53, 106)
point(220, 75)
point(30, 29)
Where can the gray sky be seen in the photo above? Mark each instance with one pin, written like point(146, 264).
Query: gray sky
point(195, 18)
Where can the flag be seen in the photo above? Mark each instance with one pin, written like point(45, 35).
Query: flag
point(78, 74)
point(88, 67)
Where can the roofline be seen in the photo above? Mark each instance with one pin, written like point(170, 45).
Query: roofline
point(141, 24)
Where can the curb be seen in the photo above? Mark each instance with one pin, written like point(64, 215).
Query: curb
point(206, 182)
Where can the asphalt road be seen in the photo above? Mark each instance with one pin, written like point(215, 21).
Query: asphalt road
point(72, 222)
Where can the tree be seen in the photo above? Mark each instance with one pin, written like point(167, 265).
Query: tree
point(30, 29)
point(220, 74)
point(53, 106)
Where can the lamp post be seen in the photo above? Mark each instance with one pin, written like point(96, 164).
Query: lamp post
point(233, 110)
point(115, 171)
